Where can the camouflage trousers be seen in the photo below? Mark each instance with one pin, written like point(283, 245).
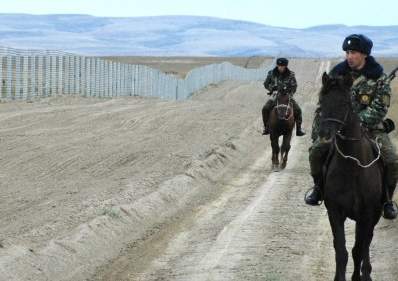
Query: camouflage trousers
point(318, 153)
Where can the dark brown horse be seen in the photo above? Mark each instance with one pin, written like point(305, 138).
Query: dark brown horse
point(281, 123)
point(353, 177)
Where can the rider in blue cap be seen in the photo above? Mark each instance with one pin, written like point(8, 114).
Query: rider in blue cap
point(281, 77)
point(371, 100)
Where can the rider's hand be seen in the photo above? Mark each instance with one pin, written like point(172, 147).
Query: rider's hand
point(388, 125)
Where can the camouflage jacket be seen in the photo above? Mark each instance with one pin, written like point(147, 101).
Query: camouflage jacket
point(370, 95)
point(276, 80)
point(371, 99)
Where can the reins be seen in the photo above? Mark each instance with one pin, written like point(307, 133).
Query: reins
point(356, 159)
point(341, 136)
point(287, 106)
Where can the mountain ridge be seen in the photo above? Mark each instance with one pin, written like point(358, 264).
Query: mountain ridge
point(182, 36)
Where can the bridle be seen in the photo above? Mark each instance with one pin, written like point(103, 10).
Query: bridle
point(287, 106)
point(342, 123)
point(342, 137)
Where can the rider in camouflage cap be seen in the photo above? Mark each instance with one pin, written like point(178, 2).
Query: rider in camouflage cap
point(281, 77)
point(371, 100)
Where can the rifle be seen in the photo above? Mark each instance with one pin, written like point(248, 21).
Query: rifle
point(389, 124)
point(392, 75)
point(387, 80)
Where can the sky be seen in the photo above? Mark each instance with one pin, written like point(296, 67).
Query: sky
point(284, 13)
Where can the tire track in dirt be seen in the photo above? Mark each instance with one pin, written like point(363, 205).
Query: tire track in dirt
point(256, 230)
point(245, 234)
point(220, 215)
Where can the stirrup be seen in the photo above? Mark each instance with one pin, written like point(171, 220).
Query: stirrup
point(319, 203)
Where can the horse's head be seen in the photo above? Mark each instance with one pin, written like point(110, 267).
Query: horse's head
point(283, 108)
point(335, 100)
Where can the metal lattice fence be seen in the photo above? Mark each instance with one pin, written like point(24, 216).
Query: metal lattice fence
point(31, 74)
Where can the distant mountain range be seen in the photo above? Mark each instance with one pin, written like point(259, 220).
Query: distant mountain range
point(182, 36)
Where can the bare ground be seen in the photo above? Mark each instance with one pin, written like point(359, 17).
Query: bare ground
point(145, 189)
point(180, 66)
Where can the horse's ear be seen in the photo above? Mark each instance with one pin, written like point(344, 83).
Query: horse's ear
point(325, 79)
point(348, 81)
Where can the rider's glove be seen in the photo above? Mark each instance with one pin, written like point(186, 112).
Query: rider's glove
point(388, 125)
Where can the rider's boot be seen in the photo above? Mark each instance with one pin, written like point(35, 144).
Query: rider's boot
point(390, 211)
point(265, 113)
point(299, 118)
point(299, 131)
point(315, 197)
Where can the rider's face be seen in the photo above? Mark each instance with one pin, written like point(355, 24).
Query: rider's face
point(356, 60)
point(281, 68)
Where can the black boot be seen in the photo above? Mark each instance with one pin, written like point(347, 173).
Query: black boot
point(265, 121)
point(299, 118)
point(299, 131)
point(265, 114)
point(390, 211)
point(315, 197)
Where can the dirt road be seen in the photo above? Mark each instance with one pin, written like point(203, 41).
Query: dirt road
point(145, 189)
point(257, 228)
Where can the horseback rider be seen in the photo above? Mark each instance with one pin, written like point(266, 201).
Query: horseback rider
point(370, 100)
point(281, 77)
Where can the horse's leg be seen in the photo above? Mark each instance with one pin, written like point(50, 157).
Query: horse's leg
point(275, 150)
point(366, 235)
point(357, 254)
point(285, 149)
point(337, 224)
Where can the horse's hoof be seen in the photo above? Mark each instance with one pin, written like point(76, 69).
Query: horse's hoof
point(275, 168)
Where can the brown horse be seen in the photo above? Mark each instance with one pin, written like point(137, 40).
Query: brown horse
point(281, 123)
point(353, 178)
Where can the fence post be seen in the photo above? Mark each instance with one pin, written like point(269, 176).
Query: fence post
point(60, 72)
point(2, 81)
point(25, 78)
point(83, 78)
point(78, 77)
point(54, 75)
point(9, 81)
point(47, 77)
point(33, 84)
point(93, 77)
point(18, 77)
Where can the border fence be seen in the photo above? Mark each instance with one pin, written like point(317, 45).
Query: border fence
point(32, 74)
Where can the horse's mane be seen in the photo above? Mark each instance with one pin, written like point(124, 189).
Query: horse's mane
point(335, 90)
